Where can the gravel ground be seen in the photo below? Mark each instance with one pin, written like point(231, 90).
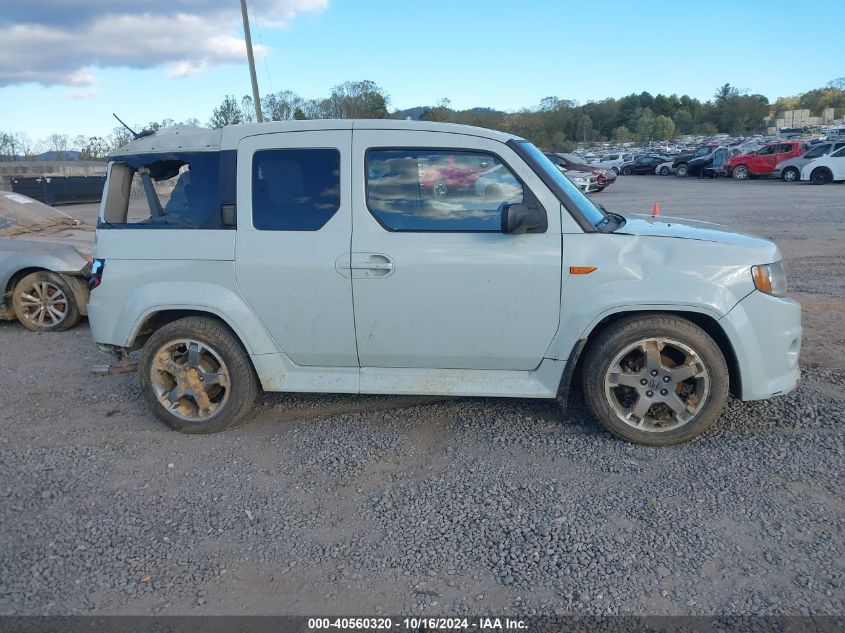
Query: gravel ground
point(366, 505)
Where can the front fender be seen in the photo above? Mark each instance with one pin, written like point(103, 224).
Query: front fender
point(639, 273)
point(55, 258)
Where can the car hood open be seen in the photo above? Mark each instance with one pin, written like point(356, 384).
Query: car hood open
point(682, 228)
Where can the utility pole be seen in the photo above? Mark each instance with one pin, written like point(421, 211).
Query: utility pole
point(255, 98)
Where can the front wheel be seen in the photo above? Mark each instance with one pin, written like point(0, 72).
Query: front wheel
point(821, 176)
point(626, 171)
point(655, 379)
point(740, 172)
point(196, 376)
point(664, 171)
point(44, 302)
point(790, 174)
point(440, 189)
point(682, 170)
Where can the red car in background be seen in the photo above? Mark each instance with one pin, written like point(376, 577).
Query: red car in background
point(457, 173)
point(764, 160)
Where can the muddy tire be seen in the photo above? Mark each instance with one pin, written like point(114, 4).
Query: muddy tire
point(655, 379)
point(196, 376)
point(45, 302)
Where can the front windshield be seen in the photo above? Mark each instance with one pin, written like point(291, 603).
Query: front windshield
point(562, 184)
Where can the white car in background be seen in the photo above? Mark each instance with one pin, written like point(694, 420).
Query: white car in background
point(615, 161)
point(665, 169)
point(825, 170)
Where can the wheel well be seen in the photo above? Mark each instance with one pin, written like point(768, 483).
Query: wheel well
point(15, 278)
point(161, 318)
point(705, 322)
point(821, 168)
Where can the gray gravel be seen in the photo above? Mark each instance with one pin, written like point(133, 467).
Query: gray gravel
point(338, 504)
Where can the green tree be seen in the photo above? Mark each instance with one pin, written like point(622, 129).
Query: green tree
point(663, 129)
point(623, 135)
point(227, 113)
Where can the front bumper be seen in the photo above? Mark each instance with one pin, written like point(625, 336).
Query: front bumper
point(765, 332)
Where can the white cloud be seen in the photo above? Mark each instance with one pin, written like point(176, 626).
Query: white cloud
point(189, 38)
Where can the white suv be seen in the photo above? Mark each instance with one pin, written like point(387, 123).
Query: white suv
point(315, 256)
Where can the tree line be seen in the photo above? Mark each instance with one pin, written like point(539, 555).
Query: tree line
point(555, 124)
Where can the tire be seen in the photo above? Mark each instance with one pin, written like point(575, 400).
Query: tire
point(626, 171)
point(790, 174)
point(821, 176)
point(45, 302)
point(673, 342)
point(217, 356)
point(740, 172)
point(615, 170)
point(664, 171)
point(440, 189)
point(682, 170)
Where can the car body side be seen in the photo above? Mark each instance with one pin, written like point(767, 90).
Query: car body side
point(644, 267)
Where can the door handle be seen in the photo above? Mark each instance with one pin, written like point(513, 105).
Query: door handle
point(369, 265)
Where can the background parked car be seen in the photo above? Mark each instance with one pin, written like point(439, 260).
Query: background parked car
point(681, 162)
point(826, 169)
point(790, 170)
point(763, 161)
point(665, 168)
point(456, 173)
point(615, 161)
point(642, 165)
point(44, 258)
point(604, 177)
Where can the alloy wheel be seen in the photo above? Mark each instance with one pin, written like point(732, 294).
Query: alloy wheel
point(657, 384)
point(190, 379)
point(44, 304)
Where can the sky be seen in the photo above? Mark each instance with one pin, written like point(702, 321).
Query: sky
point(66, 65)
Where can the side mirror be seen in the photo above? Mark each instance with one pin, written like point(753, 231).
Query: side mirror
point(523, 218)
point(228, 215)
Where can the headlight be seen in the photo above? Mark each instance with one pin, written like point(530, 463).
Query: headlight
point(770, 278)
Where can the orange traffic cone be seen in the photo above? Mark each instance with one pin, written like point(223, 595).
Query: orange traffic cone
point(655, 210)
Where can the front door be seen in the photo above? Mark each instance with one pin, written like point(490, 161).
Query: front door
point(292, 251)
point(436, 283)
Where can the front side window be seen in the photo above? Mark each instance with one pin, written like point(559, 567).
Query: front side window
point(817, 152)
point(173, 190)
point(295, 189)
point(766, 151)
point(839, 154)
point(785, 148)
point(439, 190)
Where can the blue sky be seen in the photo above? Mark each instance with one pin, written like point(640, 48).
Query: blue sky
point(507, 55)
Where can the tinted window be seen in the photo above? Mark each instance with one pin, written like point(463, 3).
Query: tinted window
point(295, 189)
point(786, 147)
point(838, 154)
point(766, 151)
point(819, 150)
point(439, 190)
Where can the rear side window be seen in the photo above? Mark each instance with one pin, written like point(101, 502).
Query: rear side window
point(786, 147)
point(295, 189)
point(173, 190)
point(439, 190)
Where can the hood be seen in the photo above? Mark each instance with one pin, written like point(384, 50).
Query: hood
point(763, 250)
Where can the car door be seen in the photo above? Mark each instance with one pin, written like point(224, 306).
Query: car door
point(763, 160)
point(837, 164)
point(294, 231)
point(436, 283)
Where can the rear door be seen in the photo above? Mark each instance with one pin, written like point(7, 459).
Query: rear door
point(292, 251)
point(436, 283)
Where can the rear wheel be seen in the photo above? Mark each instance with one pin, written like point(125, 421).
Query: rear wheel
point(195, 376)
point(682, 170)
point(821, 176)
point(790, 174)
point(655, 379)
point(44, 302)
point(626, 171)
point(740, 172)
